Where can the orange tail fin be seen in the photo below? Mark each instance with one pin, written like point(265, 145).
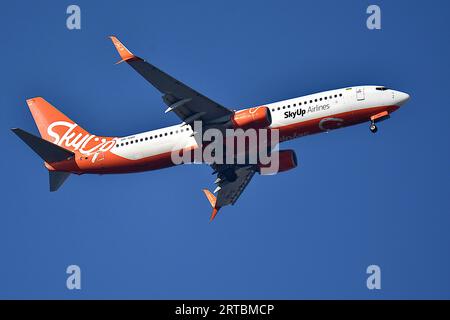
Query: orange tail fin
point(49, 120)
point(56, 127)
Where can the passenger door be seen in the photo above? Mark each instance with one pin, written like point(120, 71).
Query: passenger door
point(360, 94)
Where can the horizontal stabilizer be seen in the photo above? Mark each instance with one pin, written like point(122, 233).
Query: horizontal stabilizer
point(48, 151)
point(56, 179)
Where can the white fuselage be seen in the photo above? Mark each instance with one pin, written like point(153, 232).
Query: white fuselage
point(286, 113)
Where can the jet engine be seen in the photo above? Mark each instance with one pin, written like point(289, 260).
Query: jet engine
point(282, 160)
point(255, 118)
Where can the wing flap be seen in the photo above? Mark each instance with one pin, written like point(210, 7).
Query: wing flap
point(229, 190)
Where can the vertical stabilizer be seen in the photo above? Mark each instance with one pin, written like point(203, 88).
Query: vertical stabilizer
point(51, 121)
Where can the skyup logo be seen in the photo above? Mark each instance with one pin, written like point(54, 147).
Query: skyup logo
point(294, 114)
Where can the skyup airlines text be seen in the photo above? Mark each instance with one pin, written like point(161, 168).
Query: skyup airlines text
point(301, 112)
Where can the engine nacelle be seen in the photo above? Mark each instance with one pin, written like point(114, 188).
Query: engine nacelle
point(282, 160)
point(255, 118)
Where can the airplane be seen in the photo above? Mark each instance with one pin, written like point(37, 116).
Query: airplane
point(67, 148)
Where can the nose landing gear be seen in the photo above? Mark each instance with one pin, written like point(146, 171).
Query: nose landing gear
point(373, 127)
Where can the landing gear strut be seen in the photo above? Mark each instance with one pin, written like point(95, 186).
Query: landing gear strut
point(373, 127)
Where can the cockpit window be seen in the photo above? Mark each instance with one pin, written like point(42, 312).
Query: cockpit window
point(382, 88)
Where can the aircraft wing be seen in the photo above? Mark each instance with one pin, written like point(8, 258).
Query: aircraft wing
point(185, 102)
point(229, 190)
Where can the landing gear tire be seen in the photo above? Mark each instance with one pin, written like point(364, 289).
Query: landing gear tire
point(373, 128)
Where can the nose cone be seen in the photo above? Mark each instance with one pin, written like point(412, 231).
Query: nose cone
point(401, 98)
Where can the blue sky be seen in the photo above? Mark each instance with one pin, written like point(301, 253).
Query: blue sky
point(356, 198)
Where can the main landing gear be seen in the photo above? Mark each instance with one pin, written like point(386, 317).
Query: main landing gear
point(373, 127)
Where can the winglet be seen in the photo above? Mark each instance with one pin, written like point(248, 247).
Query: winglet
point(212, 200)
point(124, 53)
point(213, 215)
